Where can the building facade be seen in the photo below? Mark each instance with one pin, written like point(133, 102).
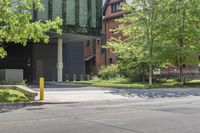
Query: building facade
point(111, 12)
point(70, 56)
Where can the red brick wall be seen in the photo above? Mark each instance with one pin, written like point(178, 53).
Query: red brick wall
point(111, 24)
point(109, 13)
point(88, 48)
point(98, 56)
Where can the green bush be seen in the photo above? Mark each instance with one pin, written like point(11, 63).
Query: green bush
point(114, 73)
point(13, 83)
point(109, 72)
point(8, 95)
point(96, 79)
point(120, 79)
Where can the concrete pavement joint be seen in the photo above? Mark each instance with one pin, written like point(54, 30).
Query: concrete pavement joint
point(108, 125)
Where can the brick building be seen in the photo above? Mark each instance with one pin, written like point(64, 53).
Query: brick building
point(111, 12)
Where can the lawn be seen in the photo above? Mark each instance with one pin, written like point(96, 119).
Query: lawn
point(166, 84)
point(110, 84)
point(8, 95)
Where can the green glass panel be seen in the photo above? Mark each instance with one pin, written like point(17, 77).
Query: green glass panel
point(70, 18)
point(56, 8)
point(44, 14)
point(83, 13)
point(94, 12)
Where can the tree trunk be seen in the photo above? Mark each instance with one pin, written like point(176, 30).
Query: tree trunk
point(181, 71)
point(150, 74)
point(143, 75)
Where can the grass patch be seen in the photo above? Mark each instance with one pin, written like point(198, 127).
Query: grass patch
point(110, 84)
point(8, 95)
point(195, 81)
point(170, 83)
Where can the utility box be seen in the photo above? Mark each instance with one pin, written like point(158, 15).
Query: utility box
point(11, 75)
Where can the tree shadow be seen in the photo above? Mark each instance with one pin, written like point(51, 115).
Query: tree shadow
point(6, 107)
point(52, 85)
point(156, 93)
point(9, 108)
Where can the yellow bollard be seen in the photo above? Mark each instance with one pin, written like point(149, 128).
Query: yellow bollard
point(41, 88)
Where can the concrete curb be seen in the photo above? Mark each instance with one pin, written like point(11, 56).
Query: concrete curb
point(36, 103)
point(21, 104)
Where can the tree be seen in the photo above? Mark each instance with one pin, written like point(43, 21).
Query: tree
point(17, 25)
point(181, 31)
point(158, 33)
point(139, 26)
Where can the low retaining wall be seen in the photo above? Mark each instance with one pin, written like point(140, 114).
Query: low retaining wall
point(31, 94)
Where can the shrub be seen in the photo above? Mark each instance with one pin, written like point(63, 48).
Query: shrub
point(13, 83)
point(109, 72)
point(119, 79)
point(8, 95)
point(96, 79)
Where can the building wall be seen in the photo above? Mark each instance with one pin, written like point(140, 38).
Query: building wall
point(94, 56)
point(18, 57)
point(79, 16)
point(44, 61)
point(110, 24)
point(108, 12)
point(73, 60)
point(89, 48)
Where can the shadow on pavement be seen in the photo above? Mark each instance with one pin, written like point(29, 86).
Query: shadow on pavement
point(10, 108)
point(34, 106)
point(153, 93)
point(57, 85)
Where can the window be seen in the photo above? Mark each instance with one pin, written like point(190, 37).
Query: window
point(87, 43)
point(110, 60)
point(98, 42)
point(115, 7)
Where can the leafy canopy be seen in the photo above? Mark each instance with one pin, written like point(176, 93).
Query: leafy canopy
point(17, 25)
point(153, 30)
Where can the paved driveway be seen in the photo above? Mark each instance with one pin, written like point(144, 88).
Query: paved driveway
point(84, 109)
point(154, 115)
point(55, 92)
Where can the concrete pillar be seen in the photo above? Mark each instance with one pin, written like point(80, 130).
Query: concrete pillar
point(60, 60)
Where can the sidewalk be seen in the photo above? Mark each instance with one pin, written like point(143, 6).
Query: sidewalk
point(60, 93)
point(81, 96)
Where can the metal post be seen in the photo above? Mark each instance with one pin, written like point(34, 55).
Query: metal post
point(41, 88)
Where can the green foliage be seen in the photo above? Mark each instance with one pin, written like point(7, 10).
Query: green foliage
point(109, 72)
point(17, 25)
point(7, 95)
point(158, 32)
point(180, 30)
point(117, 79)
point(195, 81)
point(13, 83)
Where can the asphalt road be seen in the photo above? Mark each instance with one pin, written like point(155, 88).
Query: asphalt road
point(173, 114)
